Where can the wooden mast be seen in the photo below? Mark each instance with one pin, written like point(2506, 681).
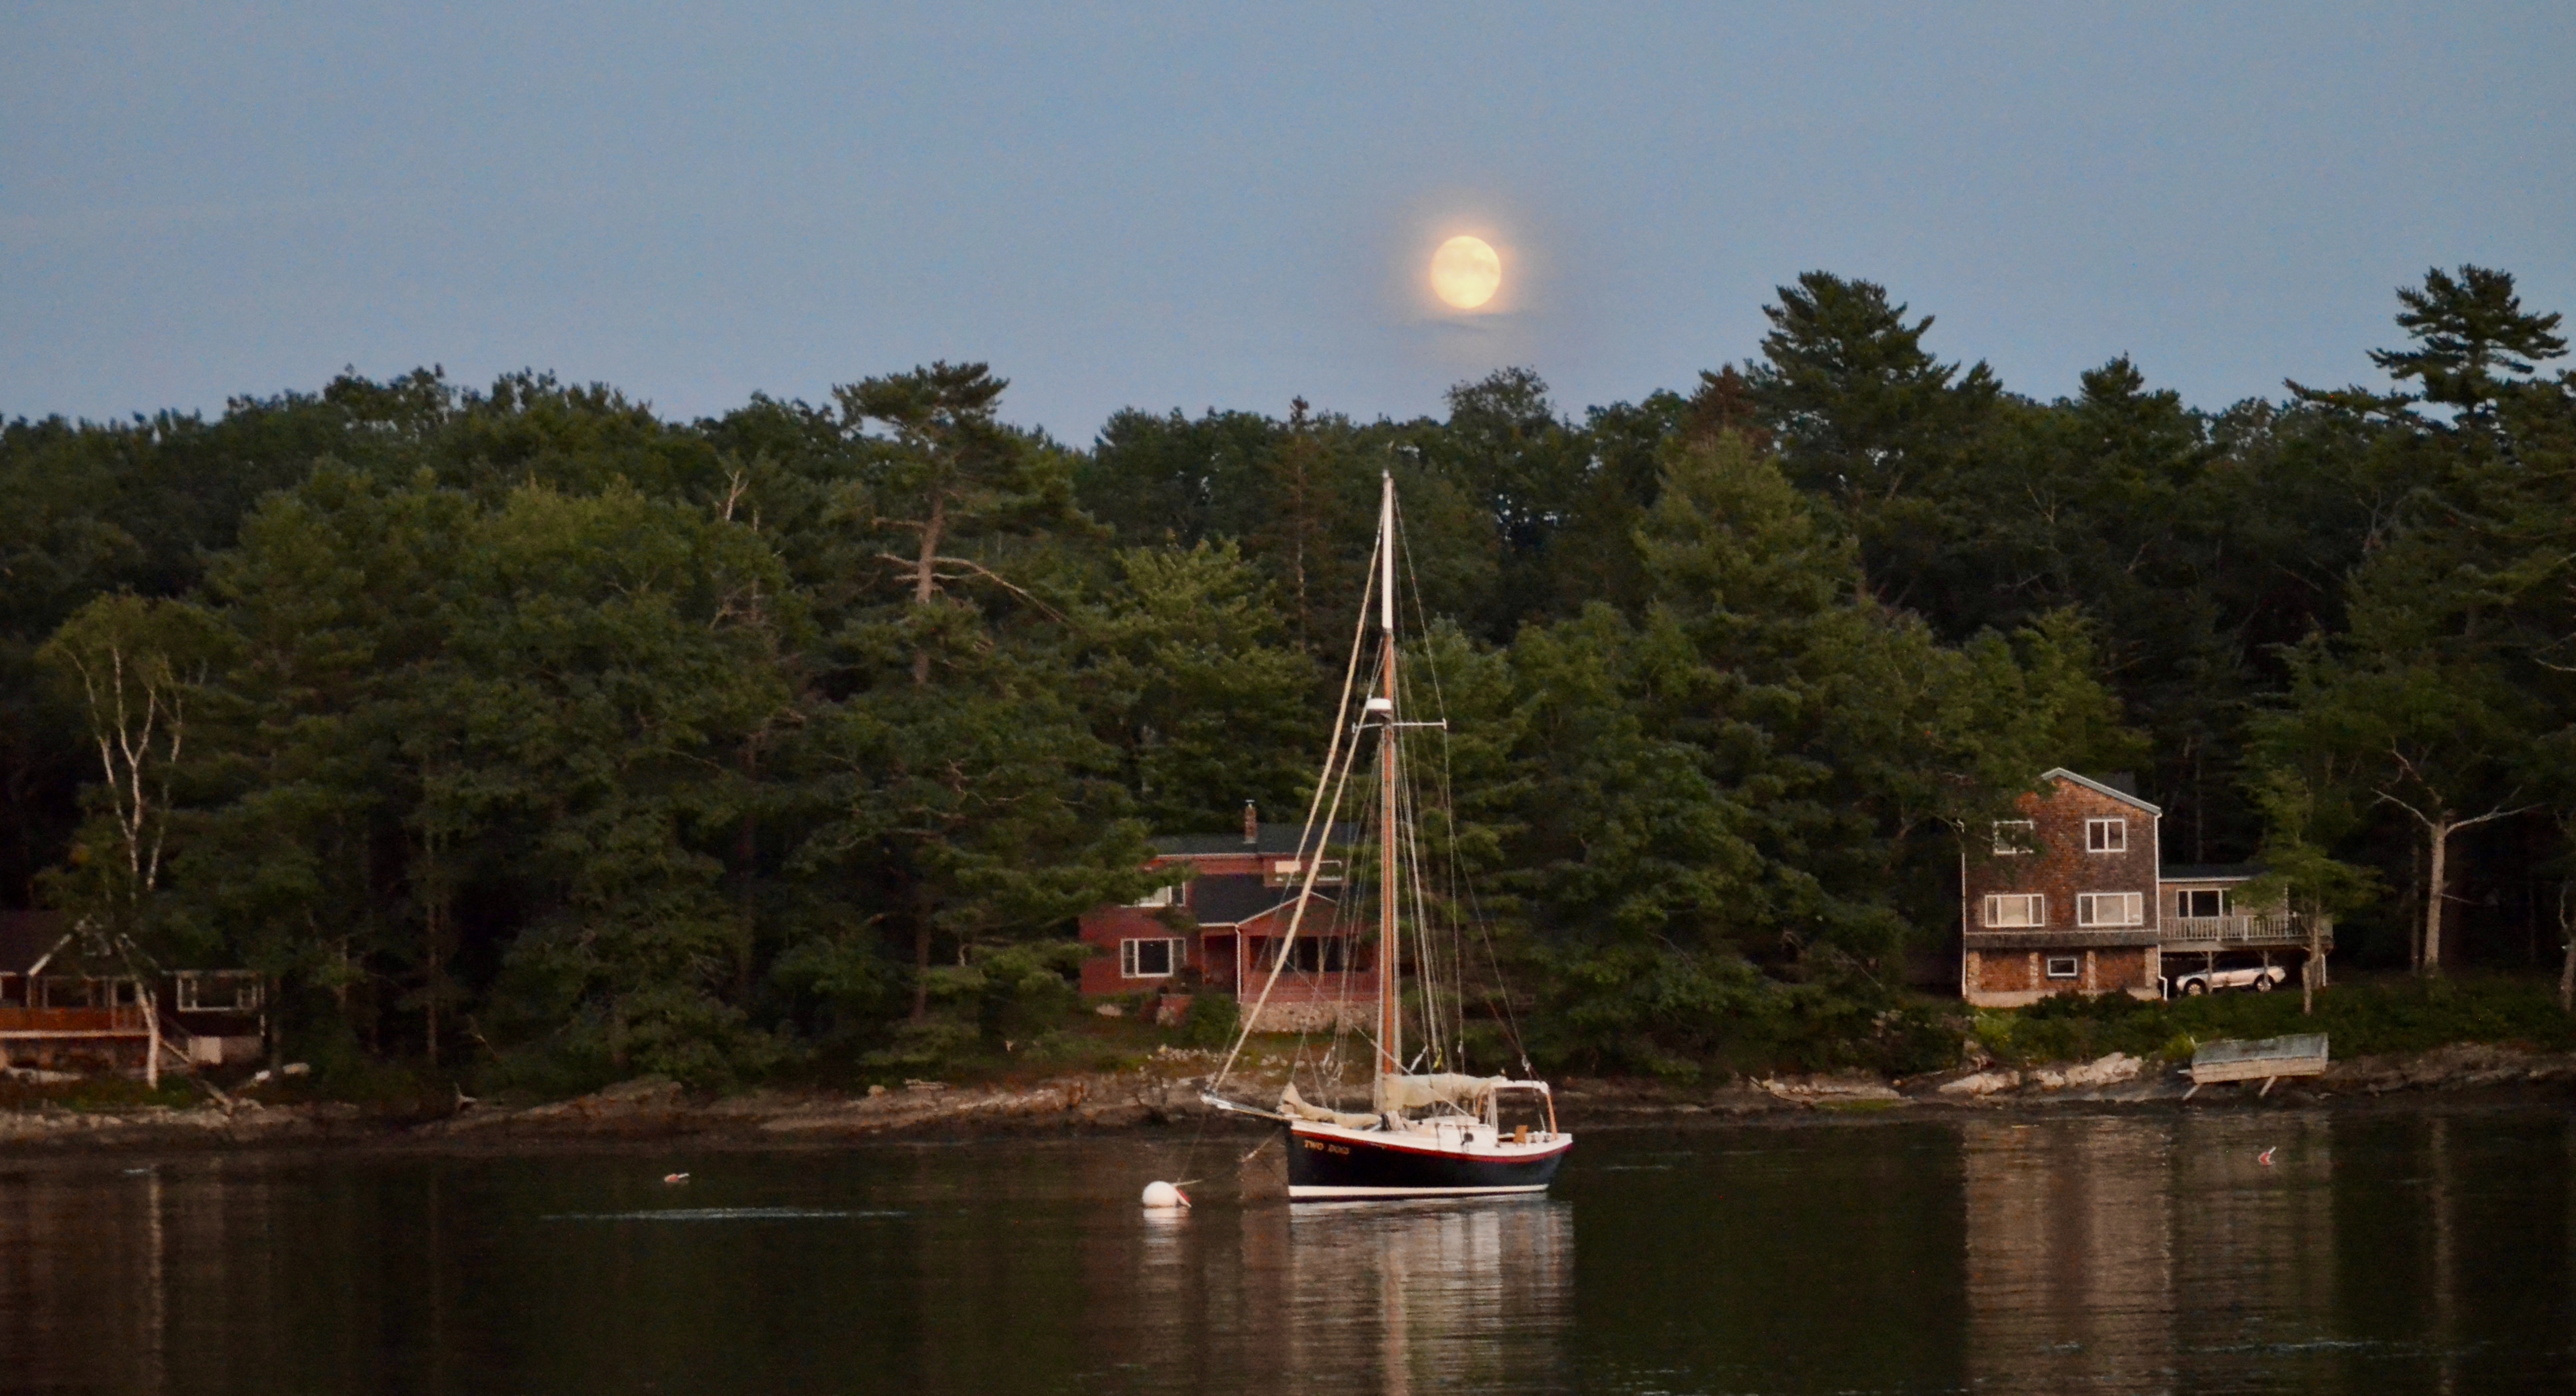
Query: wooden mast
point(1390, 1022)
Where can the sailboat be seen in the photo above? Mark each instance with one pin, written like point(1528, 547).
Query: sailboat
point(1432, 1129)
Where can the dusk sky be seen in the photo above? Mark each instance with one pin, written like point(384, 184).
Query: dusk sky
point(1221, 206)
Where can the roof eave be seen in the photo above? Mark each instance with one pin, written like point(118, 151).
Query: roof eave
point(2098, 788)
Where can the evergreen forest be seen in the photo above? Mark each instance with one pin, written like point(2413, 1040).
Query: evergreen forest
point(522, 734)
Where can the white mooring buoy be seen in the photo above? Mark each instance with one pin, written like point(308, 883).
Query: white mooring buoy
point(1161, 1194)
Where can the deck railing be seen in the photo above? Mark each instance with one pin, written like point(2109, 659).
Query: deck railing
point(124, 1020)
point(2246, 928)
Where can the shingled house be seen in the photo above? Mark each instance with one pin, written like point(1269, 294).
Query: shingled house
point(2064, 898)
point(1223, 930)
point(2073, 897)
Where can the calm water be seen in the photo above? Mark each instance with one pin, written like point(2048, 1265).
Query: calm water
point(2376, 1253)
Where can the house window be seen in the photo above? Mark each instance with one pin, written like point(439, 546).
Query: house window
point(2062, 967)
point(217, 992)
point(1288, 872)
point(2011, 909)
point(1160, 896)
point(1148, 959)
point(2016, 836)
point(2200, 903)
point(2110, 909)
point(1309, 954)
point(2106, 835)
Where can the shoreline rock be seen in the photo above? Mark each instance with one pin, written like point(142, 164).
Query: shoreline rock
point(659, 1111)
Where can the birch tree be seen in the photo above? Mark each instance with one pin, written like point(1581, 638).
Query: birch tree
point(139, 667)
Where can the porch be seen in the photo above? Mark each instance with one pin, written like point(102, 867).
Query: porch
point(2252, 930)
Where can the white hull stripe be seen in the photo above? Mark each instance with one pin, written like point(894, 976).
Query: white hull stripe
point(1308, 1192)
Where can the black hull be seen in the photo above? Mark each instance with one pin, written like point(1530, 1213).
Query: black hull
point(1340, 1165)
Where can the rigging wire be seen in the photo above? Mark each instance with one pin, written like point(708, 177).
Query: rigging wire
point(1473, 911)
point(1309, 864)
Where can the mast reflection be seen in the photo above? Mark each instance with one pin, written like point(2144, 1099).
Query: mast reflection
point(1432, 1295)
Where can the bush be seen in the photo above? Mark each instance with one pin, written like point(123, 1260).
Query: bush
point(2362, 1018)
point(1211, 1021)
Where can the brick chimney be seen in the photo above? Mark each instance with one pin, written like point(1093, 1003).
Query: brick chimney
point(1251, 825)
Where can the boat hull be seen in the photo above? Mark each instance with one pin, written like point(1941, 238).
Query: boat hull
point(1329, 1164)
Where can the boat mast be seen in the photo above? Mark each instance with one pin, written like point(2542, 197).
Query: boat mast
point(1390, 1023)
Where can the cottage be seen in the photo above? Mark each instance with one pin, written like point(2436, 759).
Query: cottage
point(2072, 897)
point(1224, 929)
point(60, 1008)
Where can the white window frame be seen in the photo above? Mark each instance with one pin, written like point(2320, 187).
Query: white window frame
point(2034, 906)
point(2183, 896)
point(2106, 835)
point(2014, 837)
point(1165, 895)
point(1128, 957)
point(2126, 909)
point(2074, 967)
point(1289, 872)
point(194, 996)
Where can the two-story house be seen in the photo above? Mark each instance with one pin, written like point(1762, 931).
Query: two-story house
point(2073, 897)
point(2062, 899)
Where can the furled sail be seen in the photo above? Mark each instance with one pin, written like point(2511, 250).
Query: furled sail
point(1291, 1103)
point(1467, 1093)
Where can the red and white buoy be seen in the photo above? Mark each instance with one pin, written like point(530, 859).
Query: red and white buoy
point(1160, 1195)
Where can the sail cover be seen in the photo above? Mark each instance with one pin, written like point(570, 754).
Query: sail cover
point(1294, 1104)
point(1467, 1093)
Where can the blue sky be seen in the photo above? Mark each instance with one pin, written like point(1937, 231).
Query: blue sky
point(1226, 206)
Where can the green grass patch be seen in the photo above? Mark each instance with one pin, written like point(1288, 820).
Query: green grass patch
point(2361, 1017)
point(99, 1094)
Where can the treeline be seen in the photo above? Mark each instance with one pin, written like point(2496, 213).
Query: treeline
point(523, 732)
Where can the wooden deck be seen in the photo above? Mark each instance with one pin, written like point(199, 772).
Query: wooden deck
point(2281, 929)
point(36, 1023)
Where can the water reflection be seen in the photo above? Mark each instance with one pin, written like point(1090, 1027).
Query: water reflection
point(2406, 1251)
point(1404, 1298)
point(2105, 1250)
point(1434, 1296)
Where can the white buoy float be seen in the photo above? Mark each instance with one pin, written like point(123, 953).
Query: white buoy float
point(1161, 1194)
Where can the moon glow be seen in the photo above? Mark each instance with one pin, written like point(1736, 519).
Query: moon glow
point(1465, 273)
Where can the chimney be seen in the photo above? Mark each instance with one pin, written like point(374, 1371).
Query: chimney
point(1251, 825)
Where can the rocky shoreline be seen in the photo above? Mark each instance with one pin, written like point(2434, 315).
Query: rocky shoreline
point(1164, 1092)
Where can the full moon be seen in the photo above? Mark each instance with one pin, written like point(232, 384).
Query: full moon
point(1465, 272)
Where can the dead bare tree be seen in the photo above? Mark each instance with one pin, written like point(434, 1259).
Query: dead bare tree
point(2439, 825)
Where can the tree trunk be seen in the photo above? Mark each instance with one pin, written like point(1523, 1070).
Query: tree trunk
point(437, 929)
point(925, 581)
point(2437, 890)
point(920, 968)
point(2415, 918)
point(2567, 942)
point(2308, 971)
point(746, 853)
point(920, 954)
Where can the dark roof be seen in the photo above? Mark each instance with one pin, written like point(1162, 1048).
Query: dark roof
point(1280, 839)
point(2211, 872)
point(25, 936)
point(2101, 788)
point(1233, 898)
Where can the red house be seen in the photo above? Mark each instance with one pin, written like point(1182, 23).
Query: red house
point(1222, 931)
